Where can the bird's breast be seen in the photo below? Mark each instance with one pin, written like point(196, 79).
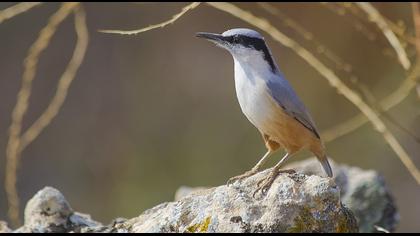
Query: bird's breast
point(253, 98)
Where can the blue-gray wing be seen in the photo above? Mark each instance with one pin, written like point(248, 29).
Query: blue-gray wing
point(287, 99)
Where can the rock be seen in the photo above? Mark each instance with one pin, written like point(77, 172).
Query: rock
point(185, 190)
point(4, 228)
point(299, 202)
point(295, 203)
point(49, 212)
point(79, 222)
point(364, 192)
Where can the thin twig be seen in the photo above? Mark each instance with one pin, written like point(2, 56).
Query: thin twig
point(401, 32)
point(394, 99)
point(371, 100)
point(309, 36)
point(416, 18)
point(387, 103)
point(394, 121)
point(64, 82)
point(16, 10)
point(380, 21)
point(398, 30)
point(13, 150)
point(332, 78)
point(356, 22)
point(151, 27)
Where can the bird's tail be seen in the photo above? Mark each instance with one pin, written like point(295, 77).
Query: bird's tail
point(325, 165)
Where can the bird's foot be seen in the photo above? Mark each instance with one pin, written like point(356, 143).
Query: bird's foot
point(242, 176)
point(265, 184)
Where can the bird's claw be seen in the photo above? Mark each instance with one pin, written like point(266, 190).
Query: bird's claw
point(265, 184)
point(232, 180)
point(240, 177)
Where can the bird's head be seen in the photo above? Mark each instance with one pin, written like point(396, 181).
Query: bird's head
point(243, 44)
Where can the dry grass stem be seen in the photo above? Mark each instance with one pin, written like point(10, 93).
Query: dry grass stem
point(380, 21)
point(16, 10)
point(151, 27)
point(13, 149)
point(328, 74)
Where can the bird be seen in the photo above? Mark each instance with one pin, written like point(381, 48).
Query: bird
point(269, 102)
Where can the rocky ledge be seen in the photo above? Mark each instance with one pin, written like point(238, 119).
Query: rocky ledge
point(354, 201)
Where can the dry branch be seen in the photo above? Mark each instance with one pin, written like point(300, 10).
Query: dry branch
point(380, 21)
point(386, 104)
point(13, 149)
point(416, 19)
point(332, 78)
point(64, 82)
point(389, 102)
point(360, 17)
point(16, 10)
point(309, 36)
point(151, 27)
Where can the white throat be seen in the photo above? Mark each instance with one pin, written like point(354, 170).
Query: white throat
point(251, 75)
point(252, 66)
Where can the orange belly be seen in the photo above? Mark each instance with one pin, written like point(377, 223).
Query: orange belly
point(283, 129)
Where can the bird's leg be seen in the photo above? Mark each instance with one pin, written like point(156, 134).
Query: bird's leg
point(253, 171)
point(265, 184)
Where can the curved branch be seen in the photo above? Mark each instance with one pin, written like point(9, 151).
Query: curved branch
point(151, 27)
point(64, 82)
point(13, 149)
point(16, 10)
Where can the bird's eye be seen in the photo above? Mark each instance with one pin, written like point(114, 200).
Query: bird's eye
point(236, 39)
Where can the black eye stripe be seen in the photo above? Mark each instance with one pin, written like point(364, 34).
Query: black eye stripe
point(256, 43)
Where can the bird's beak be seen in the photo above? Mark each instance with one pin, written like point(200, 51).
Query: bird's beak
point(217, 38)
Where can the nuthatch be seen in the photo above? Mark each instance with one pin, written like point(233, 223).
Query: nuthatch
point(269, 102)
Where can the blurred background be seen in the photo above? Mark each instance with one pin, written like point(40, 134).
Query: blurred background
point(154, 111)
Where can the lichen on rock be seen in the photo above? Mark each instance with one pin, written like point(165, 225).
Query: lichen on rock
point(354, 200)
point(364, 192)
point(295, 203)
